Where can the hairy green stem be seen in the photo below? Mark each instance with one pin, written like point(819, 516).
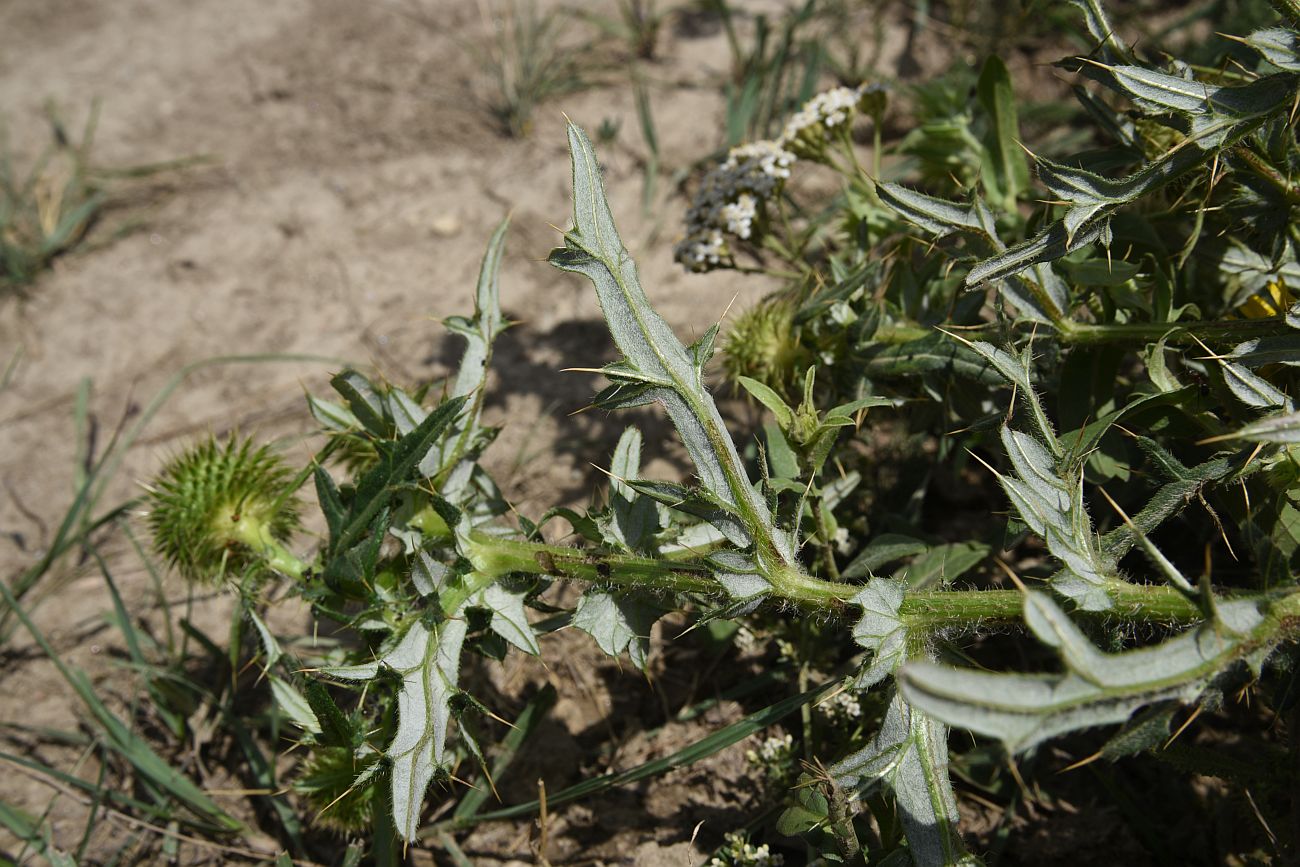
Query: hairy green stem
point(926, 610)
point(1082, 334)
point(257, 535)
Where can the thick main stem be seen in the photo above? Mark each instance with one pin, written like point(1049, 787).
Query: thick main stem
point(927, 610)
point(1085, 333)
point(257, 535)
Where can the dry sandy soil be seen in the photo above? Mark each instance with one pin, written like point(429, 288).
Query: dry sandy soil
point(354, 178)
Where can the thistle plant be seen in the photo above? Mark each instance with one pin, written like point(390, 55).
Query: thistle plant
point(1117, 400)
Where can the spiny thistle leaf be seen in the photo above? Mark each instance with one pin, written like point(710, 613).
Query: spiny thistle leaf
point(618, 622)
point(880, 630)
point(656, 364)
point(1023, 710)
point(909, 755)
point(480, 332)
point(1275, 429)
point(428, 661)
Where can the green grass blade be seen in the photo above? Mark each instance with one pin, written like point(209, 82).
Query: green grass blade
point(525, 725)
point(697, 751)
point(132, 748)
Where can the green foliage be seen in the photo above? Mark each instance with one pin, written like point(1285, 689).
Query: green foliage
point(1115, 399)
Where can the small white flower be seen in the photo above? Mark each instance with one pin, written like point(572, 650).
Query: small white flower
point(843, 705)
point(738, 216)
point(739, 853)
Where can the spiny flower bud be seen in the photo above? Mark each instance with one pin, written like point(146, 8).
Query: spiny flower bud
point(340, 787)
point(216, 507)
point(763, 344)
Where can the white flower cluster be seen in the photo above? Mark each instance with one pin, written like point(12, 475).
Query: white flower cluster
point(731, 196)
point(843, 705)
point(805, 132)
point(773, 751)
point(742, 854)
point(729, 200)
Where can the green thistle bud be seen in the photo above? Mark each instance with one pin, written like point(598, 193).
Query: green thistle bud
point(215, 508)
point(340, 788)
point(764, 344)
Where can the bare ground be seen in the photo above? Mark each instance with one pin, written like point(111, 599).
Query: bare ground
point(352, 179)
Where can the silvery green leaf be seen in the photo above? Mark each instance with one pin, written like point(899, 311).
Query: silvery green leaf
point(1280, 46)
point(697, 503)
point(651, 351)
point(1052, 505)
point(880, 629)
point(1255, 270)
point(1252, 389)
point(938, 216)
point(1096, 689)
point(1079, 186)
point(427, 574)
point(332, 416)
point(405, 412)
point(1284, 349)
point(363, 400)
point(739, 575)
point(428, 661)
point(1274, 429)
point(1034, 463)
point(509, 617)
point(635, 517)
point(1088, 194)
point(1050, 244)
point(1157, 92)
point(294, 705)
point(618, 622)
point(1083, 578)
point(1052, 286)
point(694, 538)
point(910, 755)
point(1011, 367)
point(1099, 28)
point(270, 646)
point(1042, 298)
point(480, 333)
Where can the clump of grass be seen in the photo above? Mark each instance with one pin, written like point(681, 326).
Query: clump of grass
point(638, 25)
point(529, 61)
point(48, 209)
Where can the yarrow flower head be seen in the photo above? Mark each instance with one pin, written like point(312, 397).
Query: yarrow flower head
point(733, 196)
point(740, 853)
point(841, 706)
point(772, 751)
point(730, 201)
point(807, 132)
